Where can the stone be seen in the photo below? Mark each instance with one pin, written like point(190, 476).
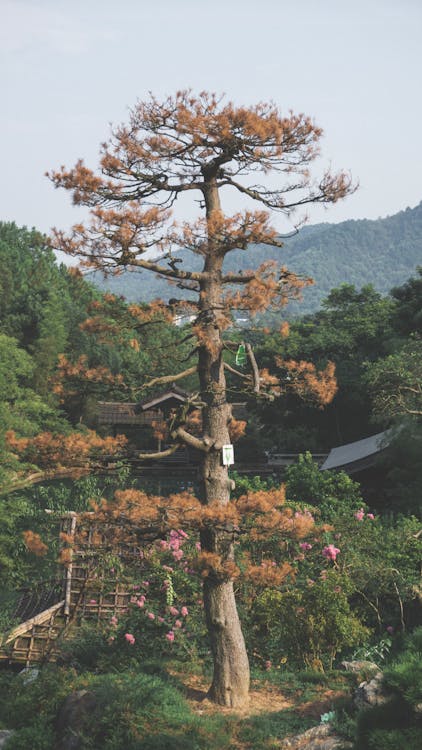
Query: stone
point(321, 737)
point(356, 667)
point(73, 717)
point(371, 692)
point(4, 736)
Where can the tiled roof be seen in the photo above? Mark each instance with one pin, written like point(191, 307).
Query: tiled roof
point(112, 412)
point(359, 451)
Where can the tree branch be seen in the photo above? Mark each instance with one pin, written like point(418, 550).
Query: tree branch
point(236, 278)
point(236, 372)
point(163, 271)
point(201, 444)
point(169, 378)
point(159, 454)
point(255, 371)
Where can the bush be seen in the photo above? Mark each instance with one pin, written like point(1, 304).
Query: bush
point(397, 723)
point(309, 625)
point(131, 710)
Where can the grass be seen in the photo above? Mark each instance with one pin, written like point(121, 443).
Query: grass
point(153, 707)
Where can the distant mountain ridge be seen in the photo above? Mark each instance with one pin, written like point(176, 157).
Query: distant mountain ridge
point(383, 252)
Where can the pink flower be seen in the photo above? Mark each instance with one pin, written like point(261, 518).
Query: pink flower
point(330, 552)
point(173, 611)
point(198, 546)
point(160, 619)
point(184, 611)
point(92, 601)
point(170, 636)
point(305, 546)
point(141, 601)
point(371, 516)
point(130, 638)
point(178, 624)
point(151, 616)
point(114, 621)
point(167, 568)
point(360, 514)
point(178, 554)
point(145, 583)
point(268, 665)
point(163, 544)
point(183, 534)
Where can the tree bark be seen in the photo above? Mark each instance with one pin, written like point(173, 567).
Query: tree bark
point(230, 684)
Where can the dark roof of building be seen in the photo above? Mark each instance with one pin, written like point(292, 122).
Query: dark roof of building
point(115, 412)
point(154, 402)
point(112, 412)
point(357, 456)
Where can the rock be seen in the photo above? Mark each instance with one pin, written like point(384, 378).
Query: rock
point(368, 667)
point(4, 736)
point(30, 674)
point(73, 717)
point(321, 737)
point(371, 692)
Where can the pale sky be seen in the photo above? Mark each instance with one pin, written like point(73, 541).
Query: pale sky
point(70, 68)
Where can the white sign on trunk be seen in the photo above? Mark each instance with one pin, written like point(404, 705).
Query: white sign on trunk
point(228, 455)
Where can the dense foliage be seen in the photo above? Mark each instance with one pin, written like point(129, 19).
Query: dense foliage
point(353, 586)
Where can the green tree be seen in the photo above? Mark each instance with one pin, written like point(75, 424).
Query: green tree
point(33, 294)
point(351, 328)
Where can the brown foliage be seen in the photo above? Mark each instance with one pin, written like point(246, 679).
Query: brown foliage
point(310, 383)
point(237, 429)
point(159, 429)
point(212, 564)
point(70, 375)
point(284, 329)
point(169, 148)
point(269, 287)
point(48, 450)
point(34, 543)
point(269, 574)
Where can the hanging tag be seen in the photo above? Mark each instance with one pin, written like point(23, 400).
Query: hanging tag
point(228, 455)
point(241, 356)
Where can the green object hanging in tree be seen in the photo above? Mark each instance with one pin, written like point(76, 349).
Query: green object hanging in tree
point(241, 356)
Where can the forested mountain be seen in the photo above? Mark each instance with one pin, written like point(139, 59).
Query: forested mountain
point(384, 252)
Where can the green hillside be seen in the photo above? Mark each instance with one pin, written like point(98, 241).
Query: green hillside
point(384, 252)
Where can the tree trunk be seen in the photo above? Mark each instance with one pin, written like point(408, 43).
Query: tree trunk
point(230, 684)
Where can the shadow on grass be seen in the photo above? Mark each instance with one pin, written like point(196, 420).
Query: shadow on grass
point(261, 731)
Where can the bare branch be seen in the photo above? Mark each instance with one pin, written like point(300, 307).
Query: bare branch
point(236, 278)
point(255, 371)
point(236, 372)
point(201, 444)
point(159, 454)
point(169, 378)
point(163, 271)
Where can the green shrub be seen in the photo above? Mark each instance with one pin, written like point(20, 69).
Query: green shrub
point(307, 625)
point(397, 723)
point(133, 710)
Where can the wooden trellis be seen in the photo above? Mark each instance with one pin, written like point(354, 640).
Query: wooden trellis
point(84, 591)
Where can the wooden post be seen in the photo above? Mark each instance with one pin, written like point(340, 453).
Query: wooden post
point(68, 583)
